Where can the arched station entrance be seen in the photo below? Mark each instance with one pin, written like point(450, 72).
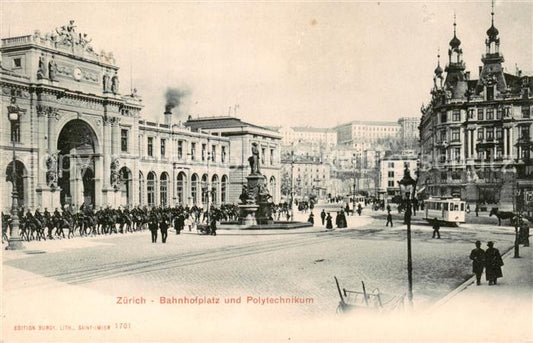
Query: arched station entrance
point(77, 144)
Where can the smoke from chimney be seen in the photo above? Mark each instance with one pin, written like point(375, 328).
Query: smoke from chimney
point(175, 99)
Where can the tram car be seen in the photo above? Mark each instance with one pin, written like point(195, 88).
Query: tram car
point(446, 210)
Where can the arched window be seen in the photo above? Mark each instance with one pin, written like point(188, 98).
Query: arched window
point(141, 188)
point(163, 189)
point(223, 189)
point(194, 189)
point(214, 189)
point(181, 186)
point(205, 194)
point(150, 188)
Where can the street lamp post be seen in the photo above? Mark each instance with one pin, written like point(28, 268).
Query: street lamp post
point(14, 241)
point(407, 186)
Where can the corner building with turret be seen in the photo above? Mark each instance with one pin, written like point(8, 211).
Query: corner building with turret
point(78, 139)
point(475, 134)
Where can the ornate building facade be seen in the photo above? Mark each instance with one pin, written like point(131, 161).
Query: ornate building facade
point(476, 133)
point(79, 140)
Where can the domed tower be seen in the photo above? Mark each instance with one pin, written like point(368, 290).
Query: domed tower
point(491, 78)
point(455, 79)
point(438, 78)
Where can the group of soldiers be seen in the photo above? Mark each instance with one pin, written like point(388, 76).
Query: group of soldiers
point(86, 221)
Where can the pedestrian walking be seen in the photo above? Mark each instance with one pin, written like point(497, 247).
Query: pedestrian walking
point(311, 218)
point(329, 224)
point(323, 216)
point(152, 225)
point(213, 226)
point(436, 228)
point(477, 256)
point(477, 210)
point(179, 223)
point(389, 219)
point(493, 264)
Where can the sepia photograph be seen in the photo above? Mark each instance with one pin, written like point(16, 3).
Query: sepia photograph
point(266, 171)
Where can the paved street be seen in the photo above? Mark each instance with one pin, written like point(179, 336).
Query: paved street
point(287, 263)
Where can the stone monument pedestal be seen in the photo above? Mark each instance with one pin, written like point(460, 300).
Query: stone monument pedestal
point(248, 214)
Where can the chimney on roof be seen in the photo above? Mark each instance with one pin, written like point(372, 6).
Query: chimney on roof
point(168, 115)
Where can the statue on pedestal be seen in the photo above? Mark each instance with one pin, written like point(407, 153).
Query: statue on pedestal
point(254, 160)
point(52, 69)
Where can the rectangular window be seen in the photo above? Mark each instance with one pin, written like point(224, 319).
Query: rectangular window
point(391, 173)
point(203, 151)
point(271, 157)
point(391, 183)
point(163, 147)
point(524, 133)
point(456, 115)
point(490, 114)
point(457, 153)
point(455, 135)
point(479, 114)
point(213, 153)
point(193, 151)
point(223, 157)
point(124, 140)
point(443, 135)
point(17, 62)
point(498, 133)
point(490, 135)
point(480, 134)
point(499, 152)
point(443, 176)
point(471, 113)
point(150, 146)
point(499, 113)
point(391, 164)
point(525, 112)
point(443, 117)
point(263, 153)
point(180, 150)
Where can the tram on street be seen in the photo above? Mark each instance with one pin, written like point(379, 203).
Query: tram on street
point(445, 209)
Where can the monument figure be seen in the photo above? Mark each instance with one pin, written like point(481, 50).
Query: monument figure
point(105, 82)
point(41, 72)
point(254, 160)
point(114, 83)
point(52, 69)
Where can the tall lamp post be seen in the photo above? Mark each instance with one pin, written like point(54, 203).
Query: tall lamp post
point(407, 187)
point(14, 241)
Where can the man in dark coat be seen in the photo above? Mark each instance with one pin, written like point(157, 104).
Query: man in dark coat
point(213, 226)
point(179, 223)
point(163, 226)
point(323, 216)
point(389, 219)
point(478, 261)
point(436, 228)
point(493, 264)
point(152, 225)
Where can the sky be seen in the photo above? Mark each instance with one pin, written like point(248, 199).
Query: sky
point(284, 63)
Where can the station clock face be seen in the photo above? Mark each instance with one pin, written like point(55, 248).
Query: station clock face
point(77, 73)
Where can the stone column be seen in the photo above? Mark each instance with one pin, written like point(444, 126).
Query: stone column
point(505, 142)
point(511, 152)
point(474, 144)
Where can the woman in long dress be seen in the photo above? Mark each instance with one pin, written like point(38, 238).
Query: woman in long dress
point(493, 264)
